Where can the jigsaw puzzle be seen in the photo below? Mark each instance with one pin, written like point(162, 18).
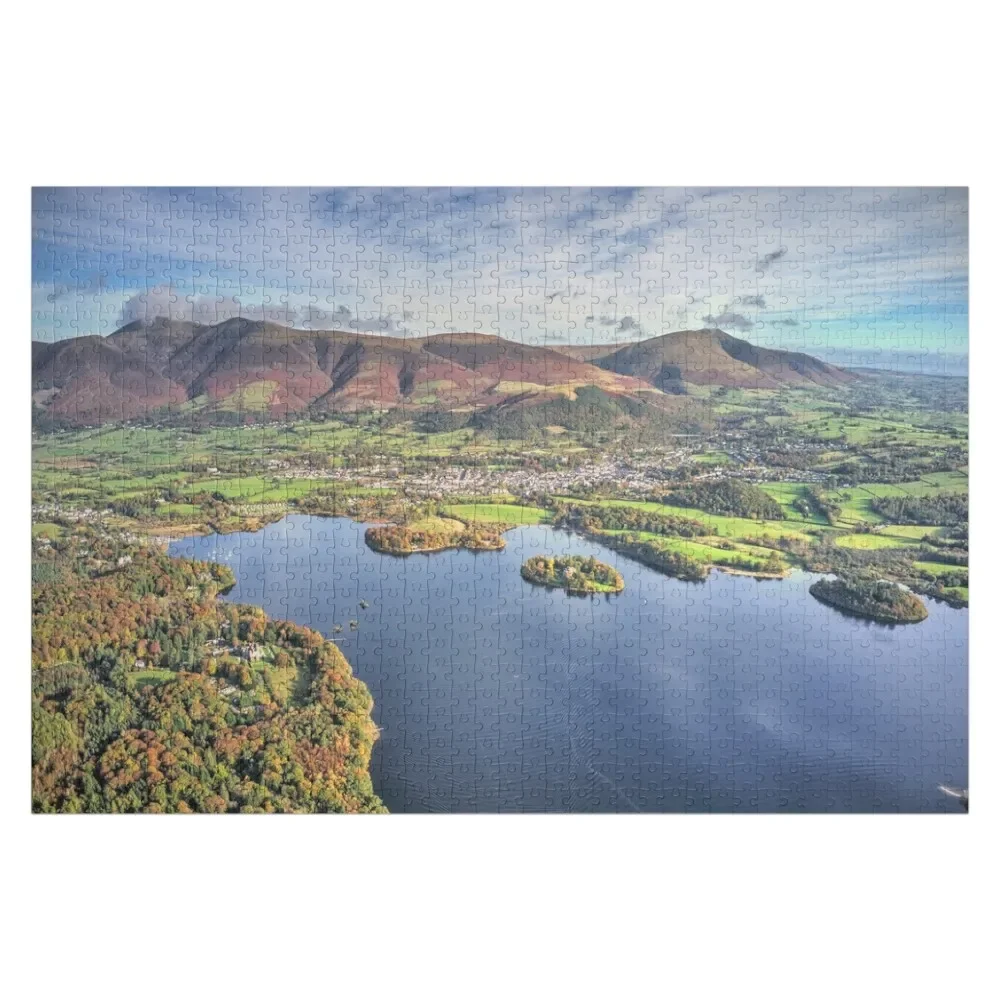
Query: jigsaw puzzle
point(500, 500)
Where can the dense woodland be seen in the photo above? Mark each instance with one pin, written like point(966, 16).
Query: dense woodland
point(878, 600)
point(609, 517)
point(945, 508)
point(910, 464)
point(665, 560)
point(730, 497)
point(816, 500)
point(150, 695)
point(591, 412)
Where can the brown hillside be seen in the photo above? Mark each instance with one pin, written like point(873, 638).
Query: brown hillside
point(249, 367)
point(712, 357)
point(513, 367)
point(587, 352)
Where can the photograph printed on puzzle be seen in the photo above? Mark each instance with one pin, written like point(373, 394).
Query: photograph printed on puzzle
point(579, 500)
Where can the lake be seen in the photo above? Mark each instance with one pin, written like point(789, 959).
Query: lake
point(733, 695)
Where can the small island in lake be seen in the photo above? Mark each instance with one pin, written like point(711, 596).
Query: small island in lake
point(574, 574)
point(433, 534)
point(879, 600)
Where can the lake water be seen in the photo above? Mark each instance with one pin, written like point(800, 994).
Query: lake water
point(733, 695)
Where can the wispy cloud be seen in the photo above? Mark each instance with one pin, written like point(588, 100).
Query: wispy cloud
point(763, 263)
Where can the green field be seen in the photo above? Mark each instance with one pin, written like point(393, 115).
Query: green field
point(178, 509)
point(940, 568)
point(141, 677)
point(258, 489)
point(913, 532)
point(937, 569)
point(725, 527)
point(888, 536)
point(786, 494)
point(867, 431)
point(497, 513)
point(706, 550)
point(44, 529)
point(868, 541)
point(254, 397)
point(855, 501)
point(437, 525)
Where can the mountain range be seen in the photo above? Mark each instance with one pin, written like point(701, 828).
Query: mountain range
point(247, 369)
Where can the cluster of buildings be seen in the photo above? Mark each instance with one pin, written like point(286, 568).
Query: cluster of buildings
point(249, 651)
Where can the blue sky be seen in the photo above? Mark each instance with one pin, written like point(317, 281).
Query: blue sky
point(857, 275)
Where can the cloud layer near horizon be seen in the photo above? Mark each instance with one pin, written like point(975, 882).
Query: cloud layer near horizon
point(816, 269)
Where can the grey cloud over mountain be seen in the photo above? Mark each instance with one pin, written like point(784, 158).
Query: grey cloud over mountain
point(629, 324)
point(730, 320)
point(163, 300)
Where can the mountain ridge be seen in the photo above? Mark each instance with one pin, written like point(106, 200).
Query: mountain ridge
point(257, 369)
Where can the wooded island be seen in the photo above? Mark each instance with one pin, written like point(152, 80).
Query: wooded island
point(879, 600)
point(433, 534)
point(574, 574)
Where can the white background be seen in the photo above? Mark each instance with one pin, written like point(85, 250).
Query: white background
point(493, 94)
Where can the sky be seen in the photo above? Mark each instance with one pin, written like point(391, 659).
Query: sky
point(863, 276)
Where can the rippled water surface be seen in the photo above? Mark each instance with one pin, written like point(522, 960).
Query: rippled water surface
point(732, 695)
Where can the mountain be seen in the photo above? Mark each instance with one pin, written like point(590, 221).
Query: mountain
point(588, 352)
point(244, 369)
point(512, 368)
point(91, 380)
point(712, 357)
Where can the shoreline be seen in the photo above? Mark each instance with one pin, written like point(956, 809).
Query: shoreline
point(757, 575)
point(198, 529)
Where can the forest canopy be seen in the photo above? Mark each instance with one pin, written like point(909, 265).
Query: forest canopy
point(150, 695)
point(609, 517)
point(945, 508)
point(731, 497)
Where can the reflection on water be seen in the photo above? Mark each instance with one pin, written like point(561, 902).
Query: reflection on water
point(731, 695)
